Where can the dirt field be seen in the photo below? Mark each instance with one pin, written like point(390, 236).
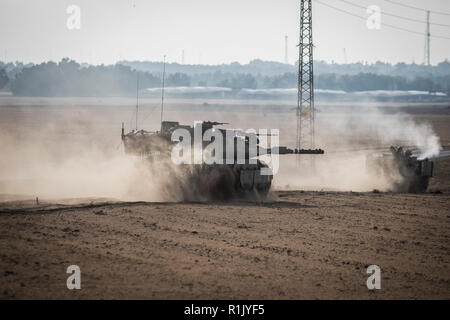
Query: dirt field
point(302, 246)
point(297, 245)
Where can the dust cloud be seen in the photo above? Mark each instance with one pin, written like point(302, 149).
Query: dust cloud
point(348, 139)
point(74, 150)
point(73, 168)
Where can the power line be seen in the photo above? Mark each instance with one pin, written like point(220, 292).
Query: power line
point(384, 24)
point(397, 16)
point(417, 8)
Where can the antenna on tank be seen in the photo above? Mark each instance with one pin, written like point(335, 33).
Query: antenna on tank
point(162, 91)
point(137, 98)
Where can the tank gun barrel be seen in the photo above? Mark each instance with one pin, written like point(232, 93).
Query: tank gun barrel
point(240, 133)
point(285, 150)
point(214, 123)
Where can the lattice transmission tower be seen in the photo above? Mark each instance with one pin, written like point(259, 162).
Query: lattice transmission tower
point(305, 102)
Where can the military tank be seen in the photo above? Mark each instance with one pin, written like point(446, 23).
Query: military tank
point(238, 175)
point(407, 171)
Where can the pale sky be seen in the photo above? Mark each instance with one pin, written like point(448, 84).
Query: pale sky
point(213, 31)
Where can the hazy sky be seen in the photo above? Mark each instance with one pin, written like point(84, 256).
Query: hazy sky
point(212, 31)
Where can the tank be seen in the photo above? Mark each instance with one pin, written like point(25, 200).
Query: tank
point(409, 173)
point(236, 176)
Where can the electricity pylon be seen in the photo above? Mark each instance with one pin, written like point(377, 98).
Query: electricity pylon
point(305, 102)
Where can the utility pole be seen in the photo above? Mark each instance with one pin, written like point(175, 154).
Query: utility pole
point(305, 102)
point(162, 90)
point(286, 57)
point(137, 98)
point(428, 39)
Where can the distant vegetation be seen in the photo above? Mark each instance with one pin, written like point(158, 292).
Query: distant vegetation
point(3, 78)
point(259, 68)
point(370, 81)
point(68, 78)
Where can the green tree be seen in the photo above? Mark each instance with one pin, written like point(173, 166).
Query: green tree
point(3, 78)
point(178, 80)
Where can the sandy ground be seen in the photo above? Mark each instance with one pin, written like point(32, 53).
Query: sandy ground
point(304, 245)
point(297, 245)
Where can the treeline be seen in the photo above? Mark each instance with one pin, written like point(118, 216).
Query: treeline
point(260, 68)
point(68, 78)
point(370, 81)
point(4, 79)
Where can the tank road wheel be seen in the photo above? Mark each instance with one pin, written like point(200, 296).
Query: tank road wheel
point(252, 183)
point(418, 185)
point(216, 182)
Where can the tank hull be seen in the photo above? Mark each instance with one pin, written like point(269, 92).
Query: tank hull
point(222, 182)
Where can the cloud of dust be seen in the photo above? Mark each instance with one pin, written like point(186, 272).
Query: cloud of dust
point(76, 158)
point(348, 138)
point(72, 156)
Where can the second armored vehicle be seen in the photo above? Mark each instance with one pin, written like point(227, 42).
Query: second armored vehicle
point(406, 171)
